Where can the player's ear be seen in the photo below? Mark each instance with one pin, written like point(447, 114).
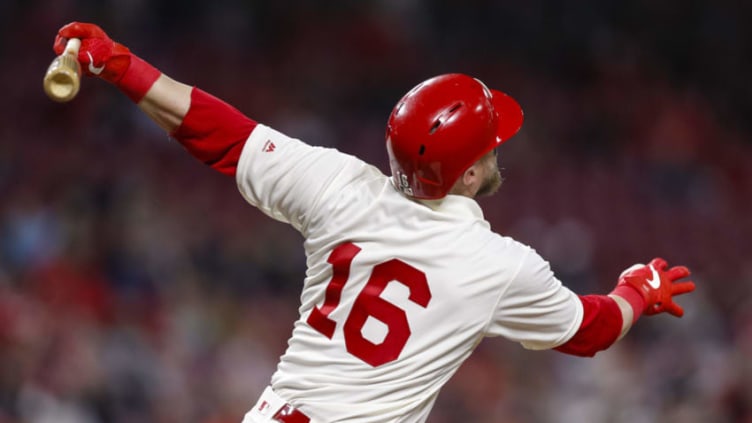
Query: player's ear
point(469, 175)
point(472, 175)
point(466, 181)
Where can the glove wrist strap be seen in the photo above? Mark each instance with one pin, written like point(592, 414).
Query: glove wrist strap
point(138, 79)
point(633, 297)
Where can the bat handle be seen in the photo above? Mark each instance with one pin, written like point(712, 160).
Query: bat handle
point(72, 46)
point(63, 77)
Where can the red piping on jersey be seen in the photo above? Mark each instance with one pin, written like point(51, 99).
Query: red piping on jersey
point(601, 326)
point(214, 132)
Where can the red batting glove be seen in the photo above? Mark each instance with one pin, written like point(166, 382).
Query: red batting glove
point(111, 61)
point(656, 285)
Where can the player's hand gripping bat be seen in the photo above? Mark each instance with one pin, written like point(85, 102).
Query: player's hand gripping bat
point(63, 77)
point(101, 57)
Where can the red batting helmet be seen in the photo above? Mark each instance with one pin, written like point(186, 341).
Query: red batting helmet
point(441, 127)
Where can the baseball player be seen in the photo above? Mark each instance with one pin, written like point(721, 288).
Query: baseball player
point(405, 277)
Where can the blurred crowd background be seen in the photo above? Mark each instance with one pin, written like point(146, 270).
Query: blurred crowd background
point(137, 286)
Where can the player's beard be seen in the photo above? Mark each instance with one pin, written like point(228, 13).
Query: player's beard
point(493, 179)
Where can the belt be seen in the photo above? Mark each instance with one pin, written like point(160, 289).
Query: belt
point(284, 412)
point(290, 414)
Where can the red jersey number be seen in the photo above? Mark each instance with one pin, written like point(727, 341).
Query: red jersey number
point(369, 303)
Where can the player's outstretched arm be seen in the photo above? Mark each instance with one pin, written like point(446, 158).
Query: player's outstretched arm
point(642, 289)
point(167, 102)
point(207, 127)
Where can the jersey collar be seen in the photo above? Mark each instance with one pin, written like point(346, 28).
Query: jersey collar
point(456, 205)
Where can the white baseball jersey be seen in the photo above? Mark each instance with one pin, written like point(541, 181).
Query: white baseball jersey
point(398, 292)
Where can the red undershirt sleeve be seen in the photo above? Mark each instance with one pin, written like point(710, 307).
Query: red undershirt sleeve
point(214, 132)
point(600, 328)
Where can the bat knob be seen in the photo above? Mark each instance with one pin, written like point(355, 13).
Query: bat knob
point(63, 77)
point(62, 80)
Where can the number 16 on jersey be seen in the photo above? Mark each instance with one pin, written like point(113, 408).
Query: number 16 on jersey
point(369, 303)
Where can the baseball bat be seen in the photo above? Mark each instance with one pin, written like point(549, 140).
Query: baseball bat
point(63, 77)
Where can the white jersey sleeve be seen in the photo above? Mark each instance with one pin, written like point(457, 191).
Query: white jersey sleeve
point(288, 179)
point(536, 309)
